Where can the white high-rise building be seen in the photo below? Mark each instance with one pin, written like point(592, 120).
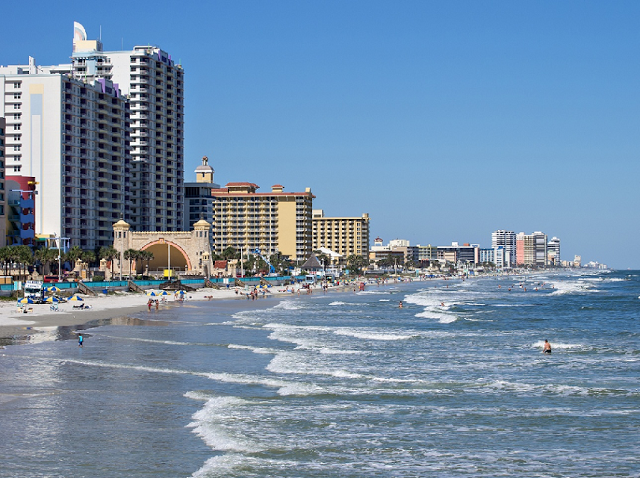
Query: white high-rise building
point(553, 252)
point(507, 241)
point(154, 86)
point(72, 137)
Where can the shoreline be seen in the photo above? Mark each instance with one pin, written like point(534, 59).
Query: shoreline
point(16, 327)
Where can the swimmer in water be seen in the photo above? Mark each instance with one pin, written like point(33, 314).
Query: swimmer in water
point(546, 349)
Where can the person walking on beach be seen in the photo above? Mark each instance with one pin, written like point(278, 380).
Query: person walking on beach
point(80, 340)
point(546, 349)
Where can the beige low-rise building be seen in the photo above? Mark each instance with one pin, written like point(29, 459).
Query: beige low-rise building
point(344, 235)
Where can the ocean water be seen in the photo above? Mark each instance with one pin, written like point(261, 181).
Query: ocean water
point(453, 384)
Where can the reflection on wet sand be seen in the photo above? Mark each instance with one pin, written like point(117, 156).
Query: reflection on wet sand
point(36, 335)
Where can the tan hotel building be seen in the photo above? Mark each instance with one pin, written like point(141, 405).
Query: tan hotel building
point(344, 235)
point(275, 221)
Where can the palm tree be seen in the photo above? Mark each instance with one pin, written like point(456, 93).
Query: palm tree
point(229, 253)
point(88, 257)
point(73, 255)
point(109, 253)
point(130, 255)
point(146, 255)
point(356, 263)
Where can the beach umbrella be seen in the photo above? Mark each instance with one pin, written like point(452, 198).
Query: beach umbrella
point(164, 292)
point(53, 299)
point(53, 288)
point(76, 297)
point(25, 300)
point(153, 292)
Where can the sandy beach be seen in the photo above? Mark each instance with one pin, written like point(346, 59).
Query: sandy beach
point(15, 322)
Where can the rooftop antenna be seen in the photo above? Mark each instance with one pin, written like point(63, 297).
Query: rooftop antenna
point(100, 33)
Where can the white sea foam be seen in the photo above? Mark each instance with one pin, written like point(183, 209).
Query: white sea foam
point(212, 425)
point(290, 305)
point(572, 287)
point(539, 344)
point(152, 341)
point(440, 317)
point(371, 335)
point(222, 465)
point(255, 350)
point(435, 307)
point(345, 303)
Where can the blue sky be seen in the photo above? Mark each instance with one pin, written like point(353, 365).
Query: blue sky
point(443, 120)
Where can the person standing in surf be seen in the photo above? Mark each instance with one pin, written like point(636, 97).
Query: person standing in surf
point(80, 340)
point(546, 348)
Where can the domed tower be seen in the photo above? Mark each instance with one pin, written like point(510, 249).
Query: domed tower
point(204, 172)
point(202, 233)
point(121, 242)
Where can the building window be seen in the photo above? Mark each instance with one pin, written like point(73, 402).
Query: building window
point(16, 127)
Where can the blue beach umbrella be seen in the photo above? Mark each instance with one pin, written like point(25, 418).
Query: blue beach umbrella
point(152, 293)
point(53, 288)
point(76, 297)
point(25, 300)
point(53, 300)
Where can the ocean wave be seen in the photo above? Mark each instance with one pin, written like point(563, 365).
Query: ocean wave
point(440, 317)
point(556, 345)
point(210, 425)
point(371, 335)
point(290, 305)
point(572, 287)
point(255, 350)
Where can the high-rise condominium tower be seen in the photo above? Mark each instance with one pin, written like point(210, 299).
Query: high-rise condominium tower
point(154, 85)
point(504, 243)
point(72, 137)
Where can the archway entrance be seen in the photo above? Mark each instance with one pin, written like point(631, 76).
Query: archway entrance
point(165, 256)
point(184, 252)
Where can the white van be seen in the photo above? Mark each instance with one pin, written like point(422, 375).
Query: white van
point(310, 279)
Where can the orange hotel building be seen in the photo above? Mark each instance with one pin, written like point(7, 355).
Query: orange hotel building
point(275, 221)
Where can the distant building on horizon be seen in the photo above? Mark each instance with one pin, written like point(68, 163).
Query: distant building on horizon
point(504, 244)
point(531, 249)
point(553, 252)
